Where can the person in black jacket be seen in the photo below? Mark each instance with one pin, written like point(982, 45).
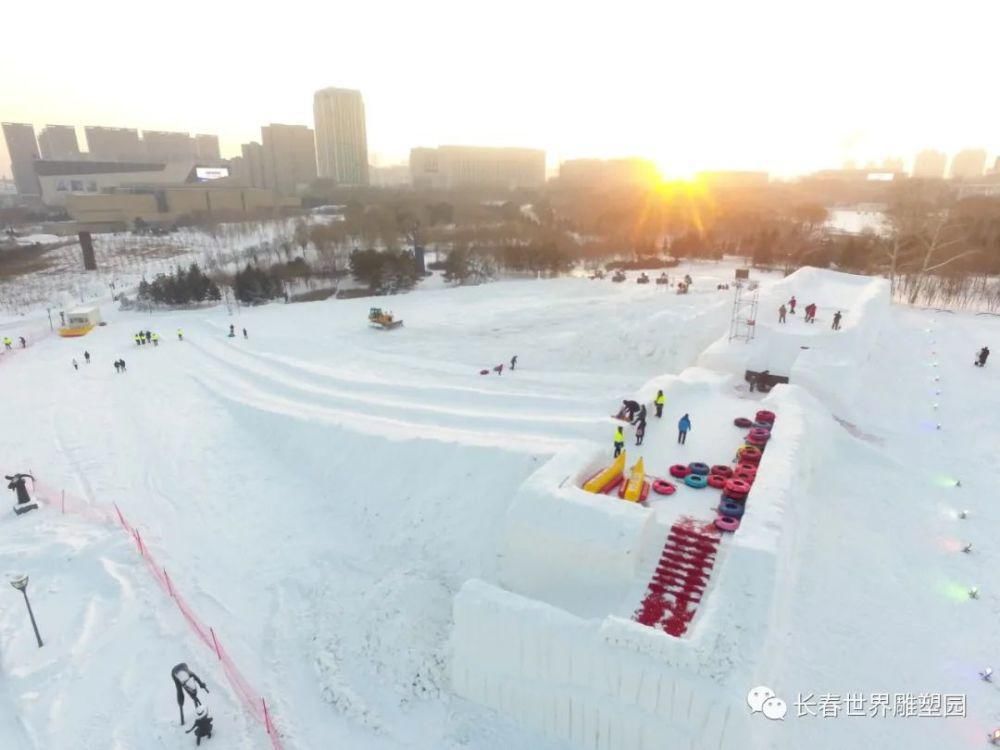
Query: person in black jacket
point(630, 408)
point(202, 726)
point(186, 682)
point(984, 353)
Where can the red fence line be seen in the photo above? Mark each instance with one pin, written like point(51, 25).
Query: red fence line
point(253, 702)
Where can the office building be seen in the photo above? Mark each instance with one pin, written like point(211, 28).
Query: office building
point(968, 163)
point(59, 142)
point(23, 151)
point(289, 157)
point(450, 167)
point(341, 139)
point(114, 144)
point(391, 175)
point(607, 173)
point(207, 147)
point(930, 164)
point(731, 179)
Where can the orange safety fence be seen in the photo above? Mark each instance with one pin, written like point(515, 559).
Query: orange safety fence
point(253, 702)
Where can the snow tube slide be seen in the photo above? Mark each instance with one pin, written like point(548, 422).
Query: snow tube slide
point(766, 416)
point(742, 422)
point(679, 471)
point(697, 481)
point(632, 489)
point(722, 470)
point(731, 509)
point(716, 481)
point(663, 487)
point(698, 468)
point(727, 523)
point(606, 479)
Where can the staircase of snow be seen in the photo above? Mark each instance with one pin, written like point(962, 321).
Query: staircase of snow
point(680, 578)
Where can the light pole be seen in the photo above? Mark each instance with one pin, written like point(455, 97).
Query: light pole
point(21, 584)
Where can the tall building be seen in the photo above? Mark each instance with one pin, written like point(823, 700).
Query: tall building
point(253, 164)
point(341, 140)
point(930, 164)
point(968, 163)
point(289, 157)
point(162, 145)
point(207, 147)
point(23, 151)
point(59, 142)
point(449, 167)
point(114, 144)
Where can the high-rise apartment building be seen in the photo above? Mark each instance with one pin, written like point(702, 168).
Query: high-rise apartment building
point(114, 144)
point(930, 164)
point(253, 164)
point(450, 167)
point(341, 139)
point(58, 143)
point(23, 151)
point(207, 147)
point(165, 146)
point(968, 163)
point(289, 157)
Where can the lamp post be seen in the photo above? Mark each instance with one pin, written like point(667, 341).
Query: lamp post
point(21, 584)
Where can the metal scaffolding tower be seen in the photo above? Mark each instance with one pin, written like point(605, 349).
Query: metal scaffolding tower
point(743, 323)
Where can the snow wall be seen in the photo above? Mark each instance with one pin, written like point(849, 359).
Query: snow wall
point(609, 683)
point(826, 365)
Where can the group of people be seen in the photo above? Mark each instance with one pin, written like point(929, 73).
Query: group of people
point(635, 414)
point(8, 342)
point(86, 358)
point(232, 332)
point(981, 358)
point(498, 369)
point(810, 313)
point(186, 685)
point(145, 337)
point(120, 366)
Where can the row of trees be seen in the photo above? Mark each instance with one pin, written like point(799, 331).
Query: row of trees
point(384, 272)
point(254, 285)
point(180, 287)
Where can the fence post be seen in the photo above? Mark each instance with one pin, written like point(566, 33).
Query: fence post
point(267, 716)
point(218, 651)
point(64, 502)
point(170, 586)
point(138, 541)
point(121, 518)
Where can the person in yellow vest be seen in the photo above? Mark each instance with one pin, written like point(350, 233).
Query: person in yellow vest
point(7, 343)
point(156, 339)
point(180, 335)
point(659, 401)
point(619, 440)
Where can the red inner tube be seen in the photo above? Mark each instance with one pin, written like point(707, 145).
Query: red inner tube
point(742, 422)
point(717, 481)
point(737, 486)
point(722, 470)
point(765, 416)
point(663, 487)
point(726, 523)
point(749, 454)
point(679, 470)
point(760, 433)
point(744, 476)
point(748, 468)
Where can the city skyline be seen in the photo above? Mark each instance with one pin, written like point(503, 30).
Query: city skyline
point(721, 85)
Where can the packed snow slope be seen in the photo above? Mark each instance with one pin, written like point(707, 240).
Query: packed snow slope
point(318, 491)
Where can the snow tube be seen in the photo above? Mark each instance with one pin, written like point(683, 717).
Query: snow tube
point(697, 481)
point(747, 468)
point(742, 422)
point(698, 468)
point(663, 487)
point(727, 523)
point(716, 481)
point(722, 470)
point(762, 425)
point(679, 471)
point(759, 433)
point(744, 476)
point(749, 454)
point(731, 509)
point(765, 416)
point(737, 487)
point(756, 441)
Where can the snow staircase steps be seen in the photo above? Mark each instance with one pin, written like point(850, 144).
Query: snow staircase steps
point(680, 578)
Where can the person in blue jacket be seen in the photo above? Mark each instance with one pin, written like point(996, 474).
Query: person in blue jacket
point(683, 426)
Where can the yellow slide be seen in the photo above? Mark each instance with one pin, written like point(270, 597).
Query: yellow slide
point(636, 479)
point(603, 479)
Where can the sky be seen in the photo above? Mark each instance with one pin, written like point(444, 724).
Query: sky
point(787, 86)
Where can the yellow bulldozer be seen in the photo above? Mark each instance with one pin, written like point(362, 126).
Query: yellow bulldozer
point(381, 319)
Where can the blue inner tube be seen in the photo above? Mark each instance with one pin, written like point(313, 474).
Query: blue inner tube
point(699, 468)
point(731, 509)
point(698, 481)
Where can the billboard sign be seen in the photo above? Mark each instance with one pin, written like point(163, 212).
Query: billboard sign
point(205, 174)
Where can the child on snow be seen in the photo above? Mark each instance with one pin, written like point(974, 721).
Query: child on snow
point(202, 726)
point(640, 432)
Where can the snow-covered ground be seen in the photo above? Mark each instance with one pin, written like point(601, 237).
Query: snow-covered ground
point(326, 496)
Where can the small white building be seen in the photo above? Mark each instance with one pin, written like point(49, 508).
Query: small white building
point(80, 321)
